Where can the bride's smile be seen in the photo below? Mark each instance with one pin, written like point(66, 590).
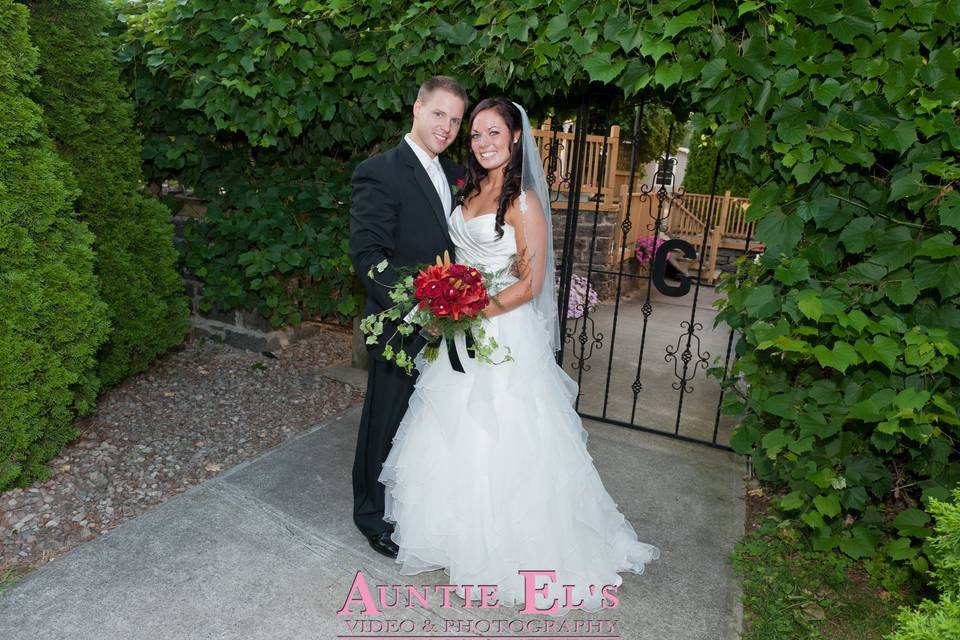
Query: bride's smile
point(490, 140)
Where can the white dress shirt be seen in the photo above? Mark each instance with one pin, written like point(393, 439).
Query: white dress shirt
point(435, 171)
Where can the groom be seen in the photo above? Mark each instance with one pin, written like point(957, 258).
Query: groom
point(401, 201)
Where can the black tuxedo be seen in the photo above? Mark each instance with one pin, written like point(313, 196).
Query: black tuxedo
point(396, 215)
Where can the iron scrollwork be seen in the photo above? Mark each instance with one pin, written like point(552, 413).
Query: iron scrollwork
point(556, 181)
point(700, 360)
point(583, 344)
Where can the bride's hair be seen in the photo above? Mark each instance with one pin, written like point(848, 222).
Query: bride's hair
point(511, 178)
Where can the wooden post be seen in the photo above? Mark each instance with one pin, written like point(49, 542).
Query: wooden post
point(613, 157)
point(724, 213)
point(717, 235)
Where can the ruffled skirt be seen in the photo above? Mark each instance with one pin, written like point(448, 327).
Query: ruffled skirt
point(489, 475)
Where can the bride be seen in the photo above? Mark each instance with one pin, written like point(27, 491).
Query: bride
point(489, 474)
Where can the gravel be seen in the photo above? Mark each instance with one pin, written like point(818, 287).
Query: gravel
point(198, 411)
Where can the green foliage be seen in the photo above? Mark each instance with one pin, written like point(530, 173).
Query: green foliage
point(700, 166)
point(931, 621)
point(849, 321)
point(52, 320)
point(939, 620)
point(90, 119)
point(945, 545)
point(226, 93)
point(280, 249)
point(792, 591)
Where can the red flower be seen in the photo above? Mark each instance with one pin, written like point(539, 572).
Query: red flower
point(460, 183)
point(451, 289)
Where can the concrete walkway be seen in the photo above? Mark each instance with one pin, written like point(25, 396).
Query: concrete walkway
point(268, 550)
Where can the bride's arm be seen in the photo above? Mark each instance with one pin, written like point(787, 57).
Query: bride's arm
point(531, 233)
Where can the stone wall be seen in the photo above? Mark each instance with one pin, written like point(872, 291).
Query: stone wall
point(238, 328)
point(606, 227)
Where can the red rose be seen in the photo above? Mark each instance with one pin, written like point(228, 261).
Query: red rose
point(460, 183)
point(451, 289)
point(450, 293)
point(458, 271)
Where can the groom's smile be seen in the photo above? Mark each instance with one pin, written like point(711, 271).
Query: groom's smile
point(436, 121)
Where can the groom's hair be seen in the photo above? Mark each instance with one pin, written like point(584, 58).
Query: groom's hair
point(446, 83)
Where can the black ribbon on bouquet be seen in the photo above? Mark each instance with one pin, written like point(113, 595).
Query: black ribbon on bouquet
point(452, 352)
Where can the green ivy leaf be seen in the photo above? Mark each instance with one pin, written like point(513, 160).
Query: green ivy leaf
point(600, 67)
point(900, 549)
point(854, 235)
point(303, 60)
point(841, 357)
point(949, 210)
point(828, 505)
point(857, 546)
point(810, 305)
point(813, 519)
point(903, 292)
point(342, 58)
point(887, 350)
point(680, 23)
point(943, 245)
point(780, 232)
point(792, 501)
point(557, 27)
point(461, 33)
point(774, 442)
point(803, 172)
point(905, 185)
point(635, 77)
point(797, 270)
point(713, 72)
point(762, 301)
point(668, 74)
point(912, 522)
point(276, 24)
point(899, 138)
point(827, 91)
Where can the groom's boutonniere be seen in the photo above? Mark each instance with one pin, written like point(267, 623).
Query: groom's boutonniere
point(456, 187)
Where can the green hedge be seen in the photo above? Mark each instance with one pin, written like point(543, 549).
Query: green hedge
point(90, 118)
point(850, 321)
point(51, 318)
point(940, 619)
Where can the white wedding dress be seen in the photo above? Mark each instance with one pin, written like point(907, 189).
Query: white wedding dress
point(489, 472)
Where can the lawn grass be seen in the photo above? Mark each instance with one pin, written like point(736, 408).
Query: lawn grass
point(791, 592)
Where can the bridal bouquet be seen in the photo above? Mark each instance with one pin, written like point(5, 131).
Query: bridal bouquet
point(439, 300)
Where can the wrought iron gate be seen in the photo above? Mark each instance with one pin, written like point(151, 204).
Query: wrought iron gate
point(640, 360)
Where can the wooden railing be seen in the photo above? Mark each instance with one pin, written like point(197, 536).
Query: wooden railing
point(600, 154)
point(728, 215)
point(685, 219)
